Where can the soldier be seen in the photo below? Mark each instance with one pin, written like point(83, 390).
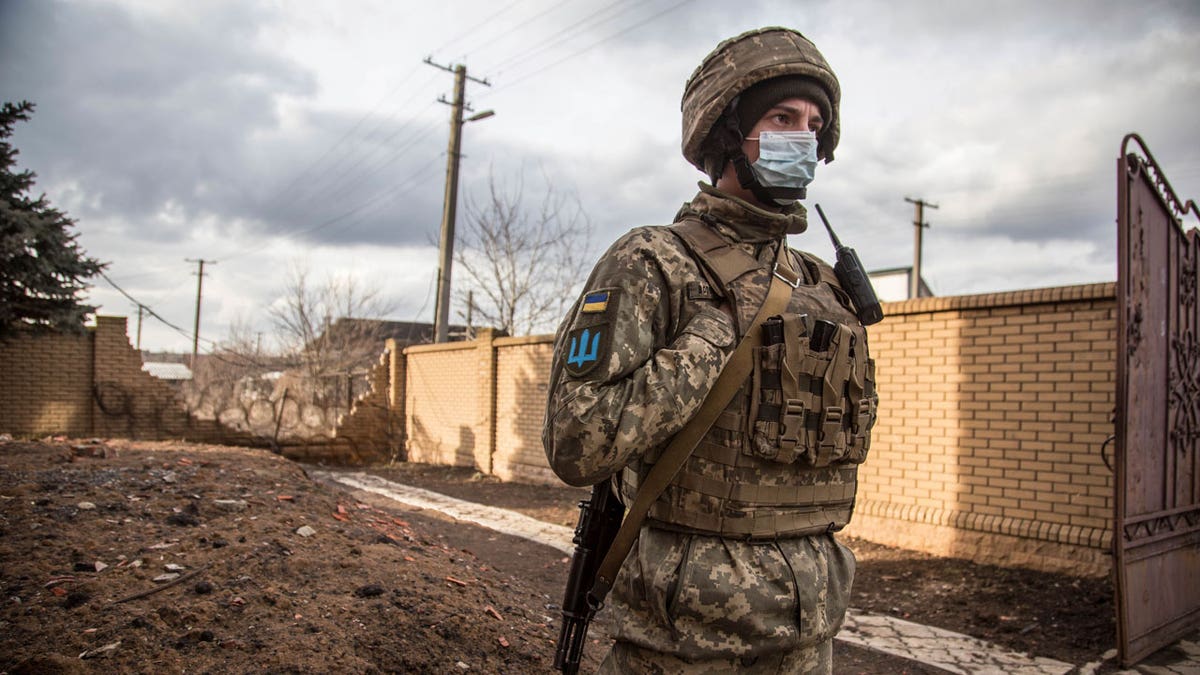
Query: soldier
point(736, 568)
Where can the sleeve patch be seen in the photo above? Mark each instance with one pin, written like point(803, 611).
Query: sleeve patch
point(586, 348)
point(595, 302)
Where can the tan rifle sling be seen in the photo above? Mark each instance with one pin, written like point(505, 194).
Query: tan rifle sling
point(732, 377)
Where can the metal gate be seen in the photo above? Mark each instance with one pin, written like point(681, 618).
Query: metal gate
point(1157, 529)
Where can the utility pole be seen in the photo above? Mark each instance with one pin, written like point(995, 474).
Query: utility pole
point(914, 283)
point(450, 204)
point(199, 294)
point(141, 309)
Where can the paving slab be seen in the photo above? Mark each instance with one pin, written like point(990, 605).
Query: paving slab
point(950, 651)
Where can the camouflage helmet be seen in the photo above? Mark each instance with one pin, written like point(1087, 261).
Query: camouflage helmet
point(741, 62)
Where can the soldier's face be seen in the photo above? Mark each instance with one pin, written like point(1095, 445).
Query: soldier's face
point(791, 114)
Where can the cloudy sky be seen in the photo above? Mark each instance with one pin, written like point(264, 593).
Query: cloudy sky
point(270, 136)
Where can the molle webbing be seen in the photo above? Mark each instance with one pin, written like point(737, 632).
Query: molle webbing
point(725, 487)
point(823, 502)
point(675, 455)
point(752, 495)
point(771, 524)
point(815, 385)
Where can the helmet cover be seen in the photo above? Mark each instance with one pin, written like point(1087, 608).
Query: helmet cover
point(743, 61)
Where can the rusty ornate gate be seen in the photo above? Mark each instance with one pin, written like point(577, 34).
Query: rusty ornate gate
point(1157, 529)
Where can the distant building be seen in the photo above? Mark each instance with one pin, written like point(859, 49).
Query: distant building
point(405, 333)
point(893, 285)
point(172, 372)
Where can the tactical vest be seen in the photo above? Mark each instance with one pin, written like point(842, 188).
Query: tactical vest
point(781, 460)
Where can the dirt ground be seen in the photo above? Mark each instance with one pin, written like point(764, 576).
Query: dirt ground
point(121, 556)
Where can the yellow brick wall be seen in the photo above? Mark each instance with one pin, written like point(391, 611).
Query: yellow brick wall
point(522, 366)
point(45, 385)
point(92, 384)
point(371, 431)
point(992, 415)
point(993, 410)
point(442, 411)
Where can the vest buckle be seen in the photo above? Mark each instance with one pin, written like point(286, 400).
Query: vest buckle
point(833, 436)
point(786, 275)
point(792, 420)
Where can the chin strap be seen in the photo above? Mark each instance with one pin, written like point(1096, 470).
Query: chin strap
point(766, 195)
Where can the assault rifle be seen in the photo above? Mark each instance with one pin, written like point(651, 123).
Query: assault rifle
point(599, 519)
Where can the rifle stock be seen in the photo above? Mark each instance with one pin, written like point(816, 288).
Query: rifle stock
point(599, 519)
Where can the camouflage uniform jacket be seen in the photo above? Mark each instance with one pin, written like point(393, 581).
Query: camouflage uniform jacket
point(633, 361)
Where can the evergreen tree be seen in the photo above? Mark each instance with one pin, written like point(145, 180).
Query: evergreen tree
point(42, 269)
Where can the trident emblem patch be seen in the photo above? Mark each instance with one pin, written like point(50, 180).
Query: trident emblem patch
point(585, 348)
point(580, 354)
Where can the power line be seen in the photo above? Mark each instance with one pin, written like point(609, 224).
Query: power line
point(409, 184)
point(211, 345)
point(349, 182)
point(513, 29)
point(345, 136)
point(591, 46)
point(149, 309)
point(342, 139)
point(564, 35)
point(477, 26)
point(378, 198)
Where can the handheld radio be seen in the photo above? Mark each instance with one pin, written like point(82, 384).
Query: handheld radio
point(854, 279)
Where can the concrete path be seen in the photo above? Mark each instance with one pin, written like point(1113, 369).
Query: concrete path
point(949, 651)
point(500, 520)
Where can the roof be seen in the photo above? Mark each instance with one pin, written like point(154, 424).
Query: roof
point(167, 371)
point(404, 332)
point(893, 284)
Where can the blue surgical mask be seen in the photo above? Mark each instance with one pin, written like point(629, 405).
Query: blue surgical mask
point(786, 159)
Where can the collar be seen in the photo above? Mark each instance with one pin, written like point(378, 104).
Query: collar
point(742, 220)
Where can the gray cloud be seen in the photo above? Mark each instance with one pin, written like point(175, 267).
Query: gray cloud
point(144, 112)
point(176, 130)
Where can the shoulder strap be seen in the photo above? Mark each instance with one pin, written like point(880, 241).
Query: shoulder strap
point(823, 268)
point(736, 370)
point(726, 261)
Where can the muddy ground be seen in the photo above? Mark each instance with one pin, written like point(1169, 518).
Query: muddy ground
point(120, 556)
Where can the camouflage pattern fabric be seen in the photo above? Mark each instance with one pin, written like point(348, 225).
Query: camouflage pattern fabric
point(743, 61)
point(660, 346)
point(696, 598)
point(633, 361)
point(627, 659)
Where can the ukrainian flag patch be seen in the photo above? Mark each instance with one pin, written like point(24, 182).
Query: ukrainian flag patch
point(595, 302)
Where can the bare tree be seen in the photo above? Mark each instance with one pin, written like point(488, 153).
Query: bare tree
point(232, 383)
point(331, 332)
point(521, 263)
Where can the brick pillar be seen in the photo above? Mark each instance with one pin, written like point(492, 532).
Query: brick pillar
point(110, 360)
point(485, 426)
point(397, 420)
